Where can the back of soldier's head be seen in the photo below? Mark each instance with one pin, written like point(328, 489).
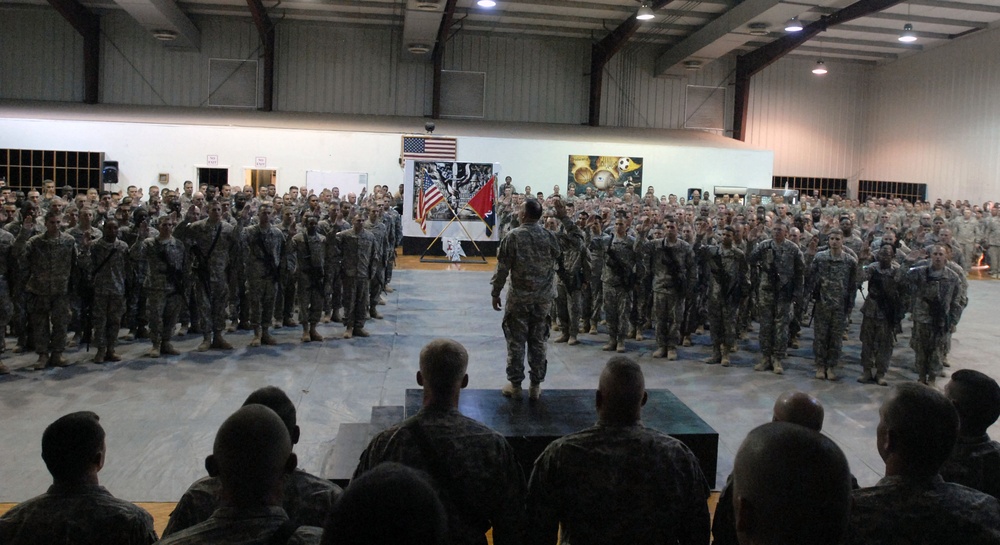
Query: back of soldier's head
point(622, 388)
point(922, 426)
point(72, 445)
point(799, 408)
point(391, 503)
point(532, 209)
point(251, 452)
point(791, 485)
point(976, 397)
point(277, 400)
point(443, 364)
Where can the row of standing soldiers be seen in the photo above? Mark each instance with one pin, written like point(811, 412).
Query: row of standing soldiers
point(249, 268)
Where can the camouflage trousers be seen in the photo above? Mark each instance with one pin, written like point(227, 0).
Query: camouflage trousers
point(375, 287)
point(49, 321)
point(6, 311)
point(107, 311)
point(926, 343)
point(524, 325)
point(994, 254)
point(135, 302)
point(773, 314)
point(284, 300)
point(163, 308)
point(617, 305)
point(355, 301)
point(877, 336)
point(568, 309)
point(590, 301)
point(668, 315)
point(261, 293)
point(310, 292)
point(334, 289)
point(828, 328)
point(212, 305)
point(723, 322)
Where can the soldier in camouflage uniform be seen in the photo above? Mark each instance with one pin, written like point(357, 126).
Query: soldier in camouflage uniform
point(572, 274)
point(28, 226)
point(780, 282)
point(306, 500)
point(935, 291)
point(832, 284)
point(309, 246)
point(334, 289)
point(473, 468)
point(76, 508)
point(51, 258)
point(618, 276)
point(912, 503)
point(528, 254)
point(82, 299)
point(164, 284)
point(881, 313)
point(284, 301)
point(357, 248)
point(6, 305)
point(674, 273)
point(728, 281)
point(211, 244)
point(252, 455)
point(377, 225)
point(265, 246)
point(593, 295)
point(618, 481)
point(107, 263)
point(975, 460)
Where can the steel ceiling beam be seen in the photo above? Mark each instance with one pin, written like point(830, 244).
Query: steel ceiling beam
point(961, 6)
point(602, 52)
point(904, 18)
point(266, 30)
point(437, 57)
point(759, 59)
point(87, 25)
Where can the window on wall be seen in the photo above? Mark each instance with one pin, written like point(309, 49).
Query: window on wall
point(217, 177)
point(25, 169)
point(811, 186)
point(891, 190)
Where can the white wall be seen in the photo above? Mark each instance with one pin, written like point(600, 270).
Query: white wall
point(935, 119)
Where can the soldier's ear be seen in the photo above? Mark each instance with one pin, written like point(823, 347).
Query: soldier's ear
point(645, 398)
point(465, 380)
point(420, 378)
point(212, 466)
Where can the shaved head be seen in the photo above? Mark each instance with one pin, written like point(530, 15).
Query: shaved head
point(621, 392)
point(799, 408)
point(443, 365)
point(251, 454)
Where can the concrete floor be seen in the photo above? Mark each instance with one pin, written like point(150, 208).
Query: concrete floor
point(161, 415)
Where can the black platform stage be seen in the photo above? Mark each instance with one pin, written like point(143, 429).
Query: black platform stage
point(531, 426)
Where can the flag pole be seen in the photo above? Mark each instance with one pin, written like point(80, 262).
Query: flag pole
point(454, 218)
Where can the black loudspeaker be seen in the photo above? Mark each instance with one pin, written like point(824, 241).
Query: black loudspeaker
point(109, 174)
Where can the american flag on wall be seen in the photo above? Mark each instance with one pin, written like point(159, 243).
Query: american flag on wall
point(419, 148)
point(429, 197)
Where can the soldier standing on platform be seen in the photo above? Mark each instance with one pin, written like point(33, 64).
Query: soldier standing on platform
point(165, 257)
point(528, 254)
point(309, 246)
point(833, 284)
point(107, 260)
point(357, 248)
point(265, 249)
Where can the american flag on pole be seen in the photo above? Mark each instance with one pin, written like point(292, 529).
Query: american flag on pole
point(422, 148)
point(429, 197)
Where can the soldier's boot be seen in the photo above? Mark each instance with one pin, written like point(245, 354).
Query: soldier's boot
point(563, 338)
point(266, 338)
point(880, 380)
point(866, 376)
point(820, 372)
point(220, 342)
point(168, 349)
point(349, 333)
point(593, 329)
point(255, 341)
point(671, 355)
point(244, 326)
point(621, 347)
point(75, 341)
point(231, 328)
point(534, 391)
point(942, 374)
point(327, 318)
point(944, 361)
point(586, 326)
point(338, 316)
point(764, 364)
point(631, 333)
point(154, 352)
point(830, 375)
point(734, 348)
point(111, 356)
point(3, 369)
point(700, 330)
point(638, 335)
point(142, 332)
point(42, 363)
point(793, 342)
point(687, 340)
point(206, 343)
point(716, 355)
point(922, 378)
point(290, 322)
point(724, 360)
point(931, 381)
point(306, 337)
point(130, 336)
point(778, 369)
point(313, 334)
point(744, 336)
point(375, 313)
point(610, 346)
point(573, 341)
point(555, 326)
point(361, 332)
point(382, 300)
point(647, 325)
point(58, 360)
point(99, 356)
point(389, 289)
point(511, 390)
point(844, 336)
point(659, 352)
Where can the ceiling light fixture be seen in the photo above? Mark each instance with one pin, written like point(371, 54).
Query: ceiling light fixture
point(645, 13)
point(757, 29)
point(908, 36)
point(486, 3)
point(820, 68)
point(793, 25)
